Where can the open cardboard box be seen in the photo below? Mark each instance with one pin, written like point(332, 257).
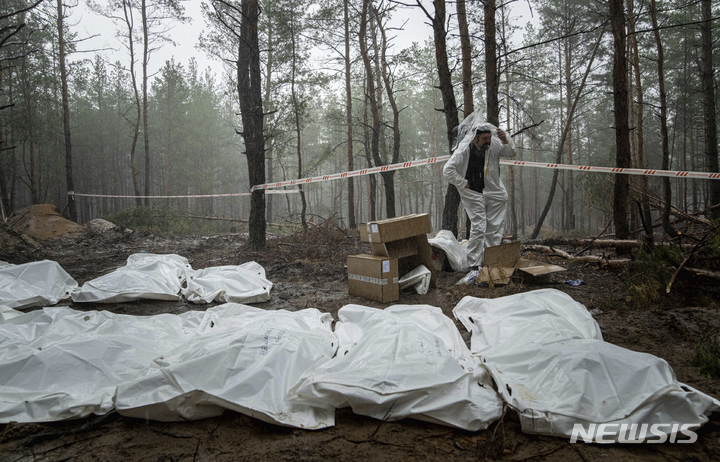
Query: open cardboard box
point(373, 277)
point(403, 238)
point(502, 261)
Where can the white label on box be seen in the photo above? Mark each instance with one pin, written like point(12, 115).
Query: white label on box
point(368, 232)
point(374, 228)
point(357, 277)
point(386, 266)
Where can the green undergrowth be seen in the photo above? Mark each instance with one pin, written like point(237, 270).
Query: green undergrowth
point(707, 353)
point(649, 274)
point(163, 220)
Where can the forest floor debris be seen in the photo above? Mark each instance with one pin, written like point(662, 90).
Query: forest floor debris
point(308, 270)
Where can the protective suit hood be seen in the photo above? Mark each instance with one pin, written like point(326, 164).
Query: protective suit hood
point(464, 133)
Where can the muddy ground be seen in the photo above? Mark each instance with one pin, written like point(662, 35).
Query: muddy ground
point(308, 270)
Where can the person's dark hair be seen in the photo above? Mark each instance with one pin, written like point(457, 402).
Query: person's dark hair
point(481, 131)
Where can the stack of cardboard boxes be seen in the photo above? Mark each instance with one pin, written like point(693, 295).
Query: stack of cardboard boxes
point(399, 245)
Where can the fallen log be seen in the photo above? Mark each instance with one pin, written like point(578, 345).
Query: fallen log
point(601, 261)
point(598, 243)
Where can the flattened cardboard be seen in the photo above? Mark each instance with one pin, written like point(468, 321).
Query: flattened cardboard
point(502, 261)
point(373, 277)
point(394, 229)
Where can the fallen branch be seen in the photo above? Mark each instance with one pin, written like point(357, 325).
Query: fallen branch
point(601, 261)
point(599, 243)
point(704, 272)
point(657, 203)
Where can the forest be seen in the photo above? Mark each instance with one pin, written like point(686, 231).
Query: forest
point(317, 88)
point(117, 164)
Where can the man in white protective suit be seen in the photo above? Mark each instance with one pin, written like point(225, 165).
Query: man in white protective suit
point(474, 168)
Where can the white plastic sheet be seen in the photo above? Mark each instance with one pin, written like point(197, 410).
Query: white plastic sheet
point(59, 363)
point(34, 284)
point(407, 361)
point(245, 283)
point(418, 279)
point(146, 275)
point(454, 251)
point(243, 358)
point(547, 357)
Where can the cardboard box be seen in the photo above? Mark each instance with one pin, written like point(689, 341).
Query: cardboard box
point(394, 229)
point(411, 252)
point(502, 261)
point(373, 277)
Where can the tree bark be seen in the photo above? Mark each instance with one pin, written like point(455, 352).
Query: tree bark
point(269, 68)
point(146, 138)
point(622, 128)
point(511, 170)
point(667, 192)
point(348, 117)
point(66, 112)
point(491, 72)
point(569, 212)
point(127, 11)
point(296, 110)
point(452, 197)
point(389, 177)
point(251, 110)
point(640, 112)
point(708, 89)
point(372, 95)
point(466, 50)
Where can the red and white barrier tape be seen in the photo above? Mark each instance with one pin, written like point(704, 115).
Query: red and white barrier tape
point(365, 171)
point(626, 171)
point(289, 191)
point(431, 160)
point(519, 163)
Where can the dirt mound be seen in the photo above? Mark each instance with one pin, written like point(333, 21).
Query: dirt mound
point(15, 248)
point(43, 222)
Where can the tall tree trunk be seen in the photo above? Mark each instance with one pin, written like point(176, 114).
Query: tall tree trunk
point(33, 181)
point(146, 137)
point(640, 114)
point(622, 127)
point(66, 112)
point(371, 90)
point(4, 195)
point(492, 77)
point(569, 212)
point(371, 180)
point(692, 165)
point(389, 177)
point(667, 192)
point(511, 170)
point(708, 89)
point(466, 49)
point(452, 196)
point(348, 117)
point(129, 21)
point(251, 110)
point(296, 110)
point(269, 144)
